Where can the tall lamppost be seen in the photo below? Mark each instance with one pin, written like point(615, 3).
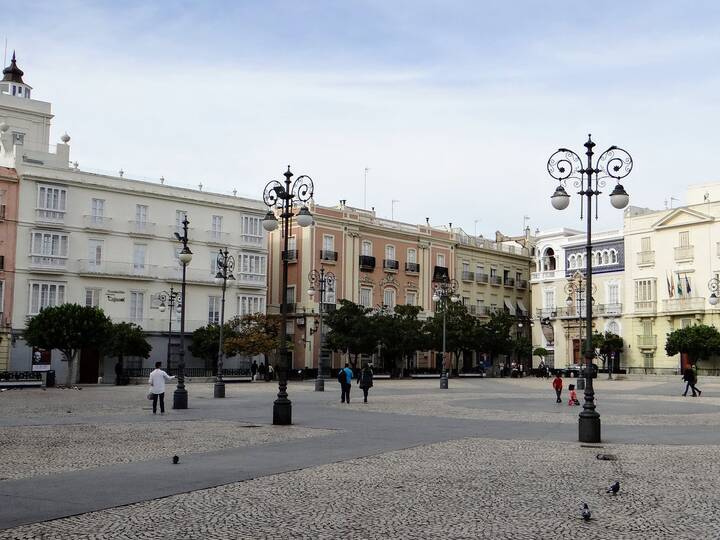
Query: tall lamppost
point(444, 291)
point(225, 266)
point(325, 281)
point(565, 165)
point(169, 299)
point(180, 396)
point(282, 197)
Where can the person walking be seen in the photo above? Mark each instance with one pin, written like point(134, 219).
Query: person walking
point(690, 377)
point(557, 386)
point(345, 383)
point(118, 373)
point(262, 371)
point(157, 387)
point(253, 370)
point(365, 381)
point(271, 372)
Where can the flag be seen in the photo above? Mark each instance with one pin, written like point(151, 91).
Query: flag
point(679, 287)
point(670, 290)
point(687, 284)
point(672, 285)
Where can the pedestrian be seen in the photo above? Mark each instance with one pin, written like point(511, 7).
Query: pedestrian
point(261, 371)
point(253, 370)
point(118, 373)
point(690, 377)
point(271, 372)
point(573, 396)
point(345, 376)
point(557, 386)
point(157, 387)
point(365, 381)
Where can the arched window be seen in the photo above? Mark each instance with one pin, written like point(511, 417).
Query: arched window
point(549, 263)
point(572, 261)
point(613, 256)
point(613, 327)
point(605, 256)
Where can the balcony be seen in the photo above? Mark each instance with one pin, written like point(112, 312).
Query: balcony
point(647, 342)
point(217, 237)
point(97, 223)
point(328, 307)
point(468, 276)
point(481, 311)
point(481, 278)
point(684, 305)
point(367, 263)
point(49, 262)
point(50, 216)
point(522, 284)
point(495, 280)
point(509, 282)
point(412, 268)
point(645, 258)
point(112, 268)
point(141, 228)
point(326, 255)
point(545, 275)
point(290, 255)
point(607, 310)
point(390, 265)
point(684, 253)
point(250, 240)
point(646, 307)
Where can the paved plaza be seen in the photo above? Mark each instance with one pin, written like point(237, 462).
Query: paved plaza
point(489, 458)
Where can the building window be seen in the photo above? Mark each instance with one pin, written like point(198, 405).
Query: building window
point(216, 228)
point(52, 202)
point(647, 328)
point(18, 138)
point(412, 255)
point(549, 299)
point(328, 242)
point(330, 296)
point(466, 267)
point(95, 253)
point(2, 296)
point(645, 244)
point(493, 272)
point(251, 230)
point(250, 304)
point(141, 213)
point(290, 294)
point(179, 218)
point(292, 243)
point(613, 293)
point(214, 268)
point(441, 260)
point(97, 210)
point(49, 248)
point(214, 309)
point(645, 290)
point(684, 238)
point(137, 301)
point(253, 267)
point(92, 297)
point(411, 298)
point(366, 248)
point(390, 252)
point(139, 254)
point(389, 298)
point(366, 297)
point(45, 294)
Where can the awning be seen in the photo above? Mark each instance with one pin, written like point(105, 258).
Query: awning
point(522, 307)
point(509, 306)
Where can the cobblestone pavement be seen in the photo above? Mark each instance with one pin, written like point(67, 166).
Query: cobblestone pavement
point(470, 488)
point(37, 450)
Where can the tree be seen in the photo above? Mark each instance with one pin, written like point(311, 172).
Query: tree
point(460, 329)
point(400, 334)
point(206, 342)
point(542, 352)
point(126, 339)
point(699, 342)
point(493, 337)
point(607, 346)
point(522, 347)
point(68, 328)
point(254, 334)
point(352, 331)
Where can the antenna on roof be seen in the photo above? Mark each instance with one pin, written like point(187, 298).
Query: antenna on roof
point(5, 54)
point(365, 188)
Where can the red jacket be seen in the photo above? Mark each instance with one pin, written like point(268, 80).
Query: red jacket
point(557, 383)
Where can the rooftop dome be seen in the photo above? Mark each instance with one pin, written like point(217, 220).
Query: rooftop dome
point(12, 73)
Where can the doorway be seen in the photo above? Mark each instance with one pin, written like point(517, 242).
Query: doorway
point(89, 366)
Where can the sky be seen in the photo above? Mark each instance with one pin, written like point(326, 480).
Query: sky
point(453, 106)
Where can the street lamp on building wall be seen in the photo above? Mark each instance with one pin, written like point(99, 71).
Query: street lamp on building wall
point(564, 165)
point(180, 396)
point(169, 299)
point(713, 287)
point(282, 195)
point(225, 265)
point(325, 281)
point(444, 291)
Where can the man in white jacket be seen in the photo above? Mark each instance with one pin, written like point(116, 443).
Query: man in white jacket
point(157, 387)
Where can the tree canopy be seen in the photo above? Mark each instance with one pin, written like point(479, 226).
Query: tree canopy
point(699, 342)
point(400, 334)
point(351, 330)
point(460, 329)
point(493, 337)
point(126, 339)
point(206, 342)
point(68, 328)
point(254, 334)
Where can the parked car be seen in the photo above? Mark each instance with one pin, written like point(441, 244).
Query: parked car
point(578, 370)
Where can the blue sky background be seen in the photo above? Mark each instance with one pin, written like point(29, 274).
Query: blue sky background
point(454, 106)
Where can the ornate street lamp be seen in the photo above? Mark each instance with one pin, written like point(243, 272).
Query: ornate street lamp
point(713, 287)
point(444, 291)
point(325, 281)
point(225, 266)
point(180, 396)
point(169, 299)
point(565, 165)
point(282, 197)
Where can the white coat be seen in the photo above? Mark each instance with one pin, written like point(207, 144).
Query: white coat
point(157, 381)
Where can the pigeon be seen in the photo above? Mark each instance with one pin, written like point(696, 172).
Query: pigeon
point(175, 460)
point(614, 488)
point(586, 513)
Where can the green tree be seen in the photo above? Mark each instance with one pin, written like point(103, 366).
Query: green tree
point(460, 330)
point(523, 349)
point(542, 352)
point(206, 342)
point(606, 347)
point(68, 328)
point(493, 337)
point(400, 334)
point(255, 334)
point(126, 339)
point(699, 342)
point(351, 330)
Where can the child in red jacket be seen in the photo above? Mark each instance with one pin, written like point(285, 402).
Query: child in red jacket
point(573, 396)
point(557, 386)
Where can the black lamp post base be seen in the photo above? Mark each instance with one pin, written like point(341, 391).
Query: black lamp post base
point(589, 428)
point(219, 390)
point(319, 385)
point(282, 412)
point(180, 399)
point(444, 381)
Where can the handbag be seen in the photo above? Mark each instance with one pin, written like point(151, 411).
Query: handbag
point(150, 395)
